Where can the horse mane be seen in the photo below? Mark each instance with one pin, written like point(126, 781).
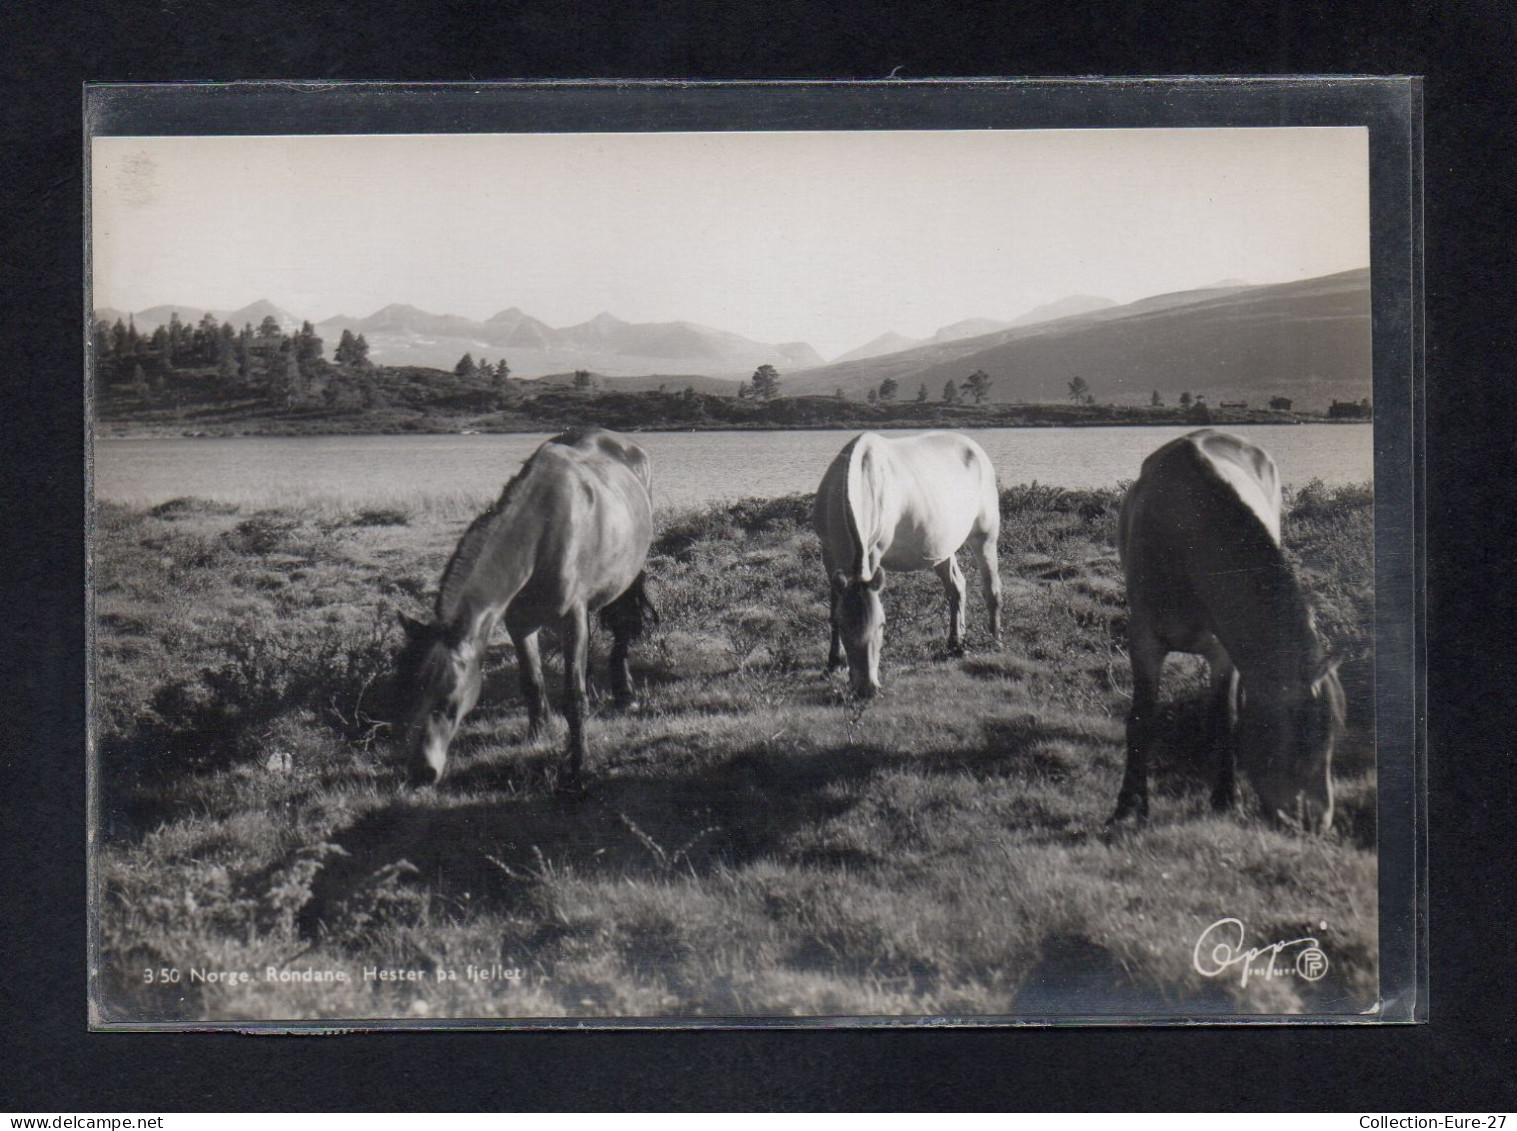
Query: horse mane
point(456, 573)
point(1285, 601)
point(415, 667)
point(851, 519)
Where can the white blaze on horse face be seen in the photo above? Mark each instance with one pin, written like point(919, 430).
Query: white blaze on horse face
point(442, 709)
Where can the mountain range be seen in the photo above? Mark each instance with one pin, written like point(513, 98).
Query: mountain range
point(253, 314)
point(1307, 340)
point(400, 334)
point(404, 335)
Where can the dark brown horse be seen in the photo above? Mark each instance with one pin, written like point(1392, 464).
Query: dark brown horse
point(567, 538)
point(1199, 537)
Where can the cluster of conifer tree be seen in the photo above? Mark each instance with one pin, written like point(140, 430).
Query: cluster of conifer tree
point(287, 369)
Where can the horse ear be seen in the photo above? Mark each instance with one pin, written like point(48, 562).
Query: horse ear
point(877, 582)
point(412, 627)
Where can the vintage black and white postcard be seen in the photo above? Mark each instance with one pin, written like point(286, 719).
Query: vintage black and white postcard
point(658, 561)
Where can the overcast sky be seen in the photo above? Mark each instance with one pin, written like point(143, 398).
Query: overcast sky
point(829, 238)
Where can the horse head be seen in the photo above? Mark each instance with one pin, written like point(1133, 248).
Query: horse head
point(1286, 747)
point(861, 624)
point(437, 684)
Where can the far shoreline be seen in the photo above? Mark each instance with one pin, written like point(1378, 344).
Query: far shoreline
point(297, 429)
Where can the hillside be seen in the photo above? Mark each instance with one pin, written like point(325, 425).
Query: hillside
point(891, 342)
point(1308, 340)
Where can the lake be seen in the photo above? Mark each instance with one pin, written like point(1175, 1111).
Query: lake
point(688, 467)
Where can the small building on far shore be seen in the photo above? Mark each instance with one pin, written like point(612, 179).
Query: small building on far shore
point(1350, 410)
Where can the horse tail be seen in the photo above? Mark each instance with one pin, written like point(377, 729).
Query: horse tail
point(630, 614)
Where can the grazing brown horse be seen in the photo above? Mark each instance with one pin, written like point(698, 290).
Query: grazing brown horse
point(903, 504)
point(568, 537)
point(1199, 537)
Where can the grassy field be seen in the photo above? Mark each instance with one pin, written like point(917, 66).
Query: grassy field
point(750, 843)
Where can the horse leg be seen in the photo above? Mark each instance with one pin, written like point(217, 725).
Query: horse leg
point(985, 552)
point(1147, 660)
point(621, 670)
point(1221, 722)
point(952, 576)
point(835, 650)
point(529, 666)
point(576, 642)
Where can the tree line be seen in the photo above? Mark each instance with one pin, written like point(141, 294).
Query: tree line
point(287, 368)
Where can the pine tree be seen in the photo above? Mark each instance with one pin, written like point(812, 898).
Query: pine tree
point(888, 389)
point(977, 385)
point(177, 338)
point(284, 376)
point(950, 393)
point(766, 382)
point(245, 356)
point(1156, 401)
point(1078, 390)
point(307, 344)
point(207, 339)
point(465, 366)
point(922, 394)
point(100, 347)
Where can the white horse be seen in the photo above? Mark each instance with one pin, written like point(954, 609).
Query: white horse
point(903, 504)
point(1199, 538)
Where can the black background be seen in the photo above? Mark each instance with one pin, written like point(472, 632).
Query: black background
point(1462, 1060)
